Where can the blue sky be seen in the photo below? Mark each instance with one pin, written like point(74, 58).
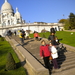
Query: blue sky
point(49, 11)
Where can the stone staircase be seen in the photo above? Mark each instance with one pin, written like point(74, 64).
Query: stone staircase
point(65, 61)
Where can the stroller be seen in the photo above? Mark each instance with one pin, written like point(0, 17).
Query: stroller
point(59, 46)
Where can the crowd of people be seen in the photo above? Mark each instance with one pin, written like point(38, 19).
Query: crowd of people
point(48, 52)
point(21, 33)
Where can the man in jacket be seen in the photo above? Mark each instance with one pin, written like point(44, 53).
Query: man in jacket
point(21, 37)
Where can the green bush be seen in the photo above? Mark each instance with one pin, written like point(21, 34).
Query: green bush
point(10, 64)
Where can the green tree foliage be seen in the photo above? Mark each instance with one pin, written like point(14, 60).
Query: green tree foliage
point(72, 20)
point(67, 25)
point(62, 20)
point(10, 64)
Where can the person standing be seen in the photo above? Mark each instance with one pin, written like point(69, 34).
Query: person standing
point(54, 55)
point(51, 38)
point(52, 30)
point(36, 35)
point(23, 34)
point(21, 37)
point(27, 35)
point(45, 54)
point(15, 32)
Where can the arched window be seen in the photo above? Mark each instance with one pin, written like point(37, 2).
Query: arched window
point(8, 22)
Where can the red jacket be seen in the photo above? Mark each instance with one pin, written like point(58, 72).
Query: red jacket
point(44, 51)
point(36, 35)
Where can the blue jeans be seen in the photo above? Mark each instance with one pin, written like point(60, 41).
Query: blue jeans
point(22, 40)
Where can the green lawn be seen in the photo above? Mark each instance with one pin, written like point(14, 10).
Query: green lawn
point(66, 37)
point(4, 49)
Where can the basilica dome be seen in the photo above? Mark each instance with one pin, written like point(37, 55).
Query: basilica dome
point(17, 14)
point(6, 8)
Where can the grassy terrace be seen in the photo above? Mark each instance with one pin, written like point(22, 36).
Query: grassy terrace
point(66, 37)
point(4, 49)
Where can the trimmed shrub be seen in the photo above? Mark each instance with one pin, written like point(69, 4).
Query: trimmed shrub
point(10, 64)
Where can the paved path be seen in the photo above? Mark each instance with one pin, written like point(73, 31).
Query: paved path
point(66, 58)
point(70, 30)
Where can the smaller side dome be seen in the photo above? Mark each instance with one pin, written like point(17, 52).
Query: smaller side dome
point(17, 14)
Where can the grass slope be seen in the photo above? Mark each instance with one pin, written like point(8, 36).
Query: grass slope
point(4, 49)
point(66, 37)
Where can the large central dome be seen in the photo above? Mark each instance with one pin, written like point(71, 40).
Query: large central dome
point(6, 8)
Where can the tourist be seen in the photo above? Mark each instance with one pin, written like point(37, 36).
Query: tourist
point(54, 55)
point(45, 54)
point(36, 36)
point(15, 32)
point(52, 30)
point(51, 38)
point(21, 37)
point(23, 33)
point(9, 33)
point(27, 35)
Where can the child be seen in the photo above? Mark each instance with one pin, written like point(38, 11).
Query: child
point(45, 53)
point(54, 55)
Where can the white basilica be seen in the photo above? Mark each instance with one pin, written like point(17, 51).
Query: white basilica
point(10, 20)
point(8, 17)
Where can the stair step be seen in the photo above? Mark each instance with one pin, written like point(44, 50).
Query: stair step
point(66, 57)
point(63, 68)
point(70, 54)
point(65, 61)
point(67, 67)
point(68, 63)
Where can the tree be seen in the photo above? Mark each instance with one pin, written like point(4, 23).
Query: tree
point(67, 25)
point(62, 20)
point(72, 20)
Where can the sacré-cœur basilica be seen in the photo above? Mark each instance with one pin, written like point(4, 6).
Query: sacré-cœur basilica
point(10, 20)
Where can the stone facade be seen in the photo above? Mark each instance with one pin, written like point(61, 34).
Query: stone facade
point(13, 21)
point(8, 17)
